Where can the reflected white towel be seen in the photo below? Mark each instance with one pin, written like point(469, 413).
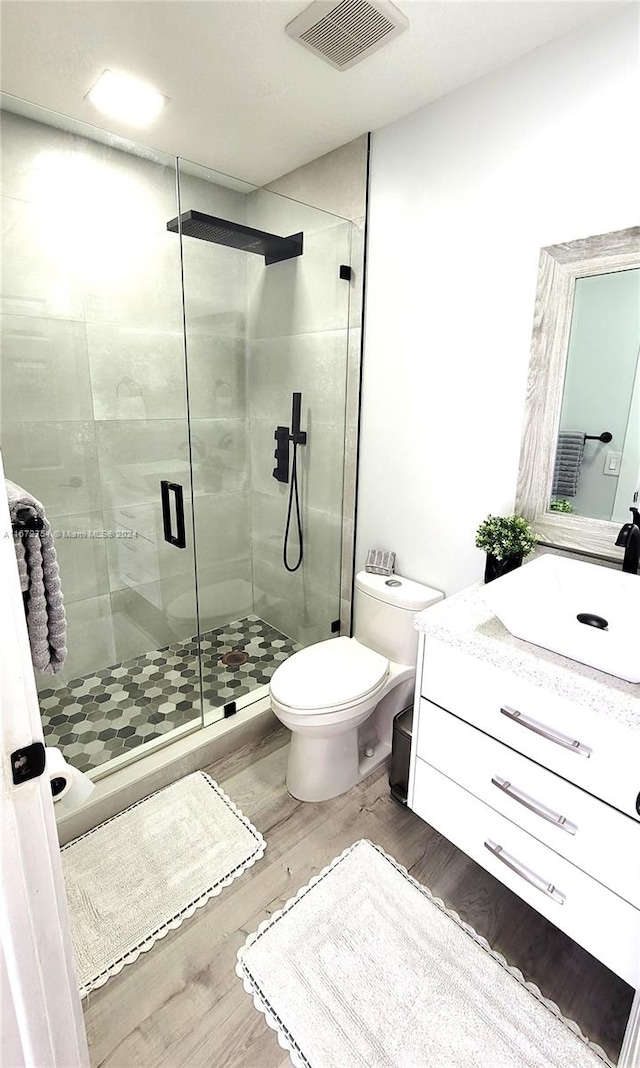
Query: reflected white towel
point(40, 583)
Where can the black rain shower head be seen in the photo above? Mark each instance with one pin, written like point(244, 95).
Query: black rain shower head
point(236, 235)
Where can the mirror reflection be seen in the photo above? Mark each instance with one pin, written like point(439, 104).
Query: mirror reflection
point(597, 462)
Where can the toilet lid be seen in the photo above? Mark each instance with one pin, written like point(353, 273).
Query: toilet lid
point(330, 674)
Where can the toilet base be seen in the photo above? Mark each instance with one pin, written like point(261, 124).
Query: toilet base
point(322, 768)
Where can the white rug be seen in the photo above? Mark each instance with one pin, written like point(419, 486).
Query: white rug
point(140, 874)
point(365, 969)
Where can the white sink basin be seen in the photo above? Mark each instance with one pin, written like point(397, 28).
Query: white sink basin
point(541, 600)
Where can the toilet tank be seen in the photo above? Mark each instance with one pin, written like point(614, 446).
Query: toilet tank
point(384, 607)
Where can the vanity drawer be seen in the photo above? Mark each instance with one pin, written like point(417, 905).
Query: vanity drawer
point(138, 559)
point(592, 750)
point(607, 926)
point(143, 519)
point(591, 834)
point(125, 517)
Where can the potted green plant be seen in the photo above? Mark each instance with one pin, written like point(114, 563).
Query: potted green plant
point(506, 539)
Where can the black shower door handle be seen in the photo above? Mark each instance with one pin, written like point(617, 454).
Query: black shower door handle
point(179, 539)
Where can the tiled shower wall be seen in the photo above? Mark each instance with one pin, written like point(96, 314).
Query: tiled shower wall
point(93, 383)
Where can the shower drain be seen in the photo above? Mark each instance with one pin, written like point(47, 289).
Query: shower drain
point(235, 658)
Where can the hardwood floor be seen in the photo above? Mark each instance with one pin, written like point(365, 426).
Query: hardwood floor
point(181, 1004)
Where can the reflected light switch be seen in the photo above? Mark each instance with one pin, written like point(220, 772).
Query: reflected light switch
point(612, 463)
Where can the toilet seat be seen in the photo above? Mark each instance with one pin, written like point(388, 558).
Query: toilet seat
point(335, 674)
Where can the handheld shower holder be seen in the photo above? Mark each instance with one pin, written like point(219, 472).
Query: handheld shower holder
point(283, 435)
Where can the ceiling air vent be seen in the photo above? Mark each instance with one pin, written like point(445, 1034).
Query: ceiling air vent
point(347, 32)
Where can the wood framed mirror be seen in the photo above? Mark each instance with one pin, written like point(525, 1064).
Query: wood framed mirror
point(559, 271)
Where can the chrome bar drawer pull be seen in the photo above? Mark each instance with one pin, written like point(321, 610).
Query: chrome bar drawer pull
point(546, 732)
point(534, 806)
point(525, 873)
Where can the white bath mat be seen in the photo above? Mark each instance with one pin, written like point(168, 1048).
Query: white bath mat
point(365, 969)
point(140, 874)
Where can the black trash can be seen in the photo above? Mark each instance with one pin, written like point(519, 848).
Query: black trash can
point(400, 753)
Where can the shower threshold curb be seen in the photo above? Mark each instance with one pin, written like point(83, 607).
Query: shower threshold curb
point(151, 772)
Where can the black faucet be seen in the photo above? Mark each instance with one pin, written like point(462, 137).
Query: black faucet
point(629, 537)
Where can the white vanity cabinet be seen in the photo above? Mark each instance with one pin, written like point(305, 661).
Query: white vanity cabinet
point(530, 763)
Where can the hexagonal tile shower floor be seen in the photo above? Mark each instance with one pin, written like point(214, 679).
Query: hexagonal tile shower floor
point(109, 713)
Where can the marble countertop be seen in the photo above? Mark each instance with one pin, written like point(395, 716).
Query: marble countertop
point(466, 622)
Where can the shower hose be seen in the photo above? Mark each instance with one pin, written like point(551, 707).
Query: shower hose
point(293, 495)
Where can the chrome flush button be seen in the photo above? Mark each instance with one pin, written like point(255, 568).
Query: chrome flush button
point(393, 582)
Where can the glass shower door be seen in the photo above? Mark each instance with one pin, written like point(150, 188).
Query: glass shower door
point(266, 315)
point(95, 425)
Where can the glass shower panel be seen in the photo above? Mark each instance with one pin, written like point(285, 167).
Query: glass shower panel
point(215, 282)
point(94, 420)
point(297, 339)
point(263, 324)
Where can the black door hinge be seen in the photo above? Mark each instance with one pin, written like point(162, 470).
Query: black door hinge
point(229, 709)
point(346, 272)
point(335, 626)
point(28, 763)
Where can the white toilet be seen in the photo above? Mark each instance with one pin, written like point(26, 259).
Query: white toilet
point(339, 697)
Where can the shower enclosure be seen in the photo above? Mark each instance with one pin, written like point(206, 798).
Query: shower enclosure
point(157, 320)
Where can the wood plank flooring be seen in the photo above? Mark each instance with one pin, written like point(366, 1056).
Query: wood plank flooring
point(182, 1005)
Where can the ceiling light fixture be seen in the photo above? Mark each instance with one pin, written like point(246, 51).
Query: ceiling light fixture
point(127, 98)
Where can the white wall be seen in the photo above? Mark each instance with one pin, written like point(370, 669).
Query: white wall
point(464, 193)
